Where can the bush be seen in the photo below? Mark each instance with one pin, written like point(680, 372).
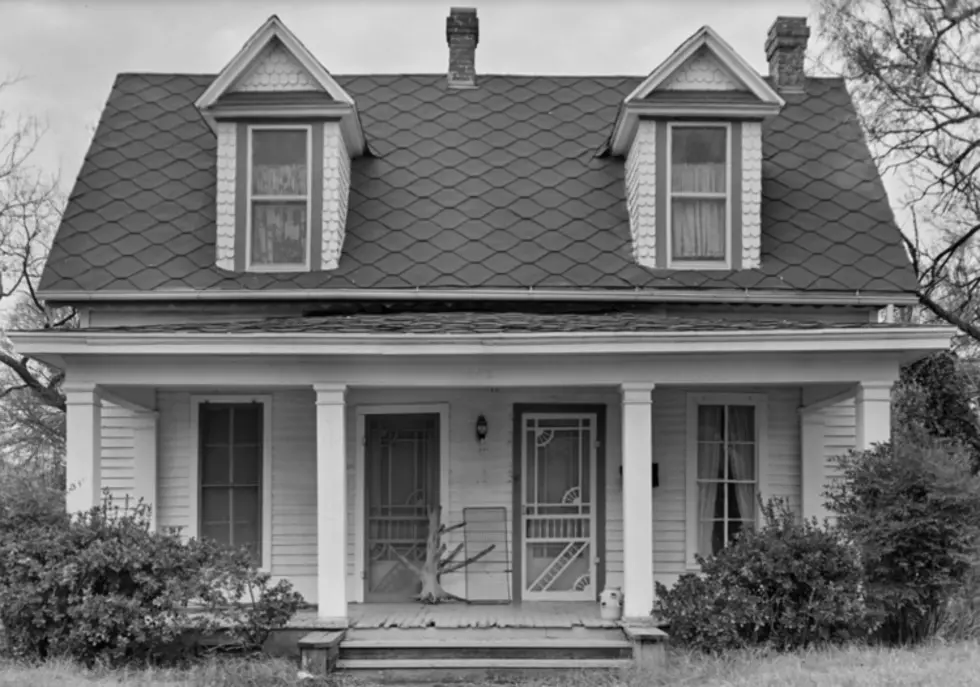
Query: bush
point(102, 587)
point(913, 509)
point(789, 585)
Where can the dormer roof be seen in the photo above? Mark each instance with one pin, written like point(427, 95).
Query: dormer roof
point(703, 77)
point(275, 75)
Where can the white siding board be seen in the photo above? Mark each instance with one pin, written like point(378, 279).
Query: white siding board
point(118, 452)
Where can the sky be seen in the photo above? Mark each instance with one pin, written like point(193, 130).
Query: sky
point(66, 53)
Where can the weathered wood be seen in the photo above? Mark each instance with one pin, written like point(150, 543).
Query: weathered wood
point(649, 646)
point(319, 652)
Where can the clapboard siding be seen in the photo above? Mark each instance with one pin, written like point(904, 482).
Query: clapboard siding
point(118, 452)
point(174, 454)
point(840, 435)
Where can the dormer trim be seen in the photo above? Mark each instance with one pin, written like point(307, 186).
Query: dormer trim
point(762, 101)
point(344, 106)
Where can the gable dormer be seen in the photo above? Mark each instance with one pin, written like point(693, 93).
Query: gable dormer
point(286, 133)
point(691, 134)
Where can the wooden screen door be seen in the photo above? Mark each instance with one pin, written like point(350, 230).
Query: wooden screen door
point(559, 506)
point(401, 478)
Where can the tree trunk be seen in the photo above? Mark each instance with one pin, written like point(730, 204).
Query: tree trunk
point(435, 565)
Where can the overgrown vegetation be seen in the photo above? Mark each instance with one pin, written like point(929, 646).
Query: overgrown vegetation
point(103, 587)
point(913, 509)
point(786, 586)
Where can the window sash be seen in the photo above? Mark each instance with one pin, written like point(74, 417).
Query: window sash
point(701, 249)
point(255, 198)
point(722, 491)
point(226, 492)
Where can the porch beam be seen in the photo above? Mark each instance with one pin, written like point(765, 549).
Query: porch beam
point(637, 427)
point(873, 413)
point(83, 446)
point(331, 517)
point(498, 371)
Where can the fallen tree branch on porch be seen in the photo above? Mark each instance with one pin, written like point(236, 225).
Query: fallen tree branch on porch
point(436, 564)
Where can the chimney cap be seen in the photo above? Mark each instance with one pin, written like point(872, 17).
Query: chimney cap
point(787, 31)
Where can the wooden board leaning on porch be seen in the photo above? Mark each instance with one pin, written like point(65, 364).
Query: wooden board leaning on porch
point(437, 562)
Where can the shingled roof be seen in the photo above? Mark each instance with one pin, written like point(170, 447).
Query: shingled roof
point(494, 187)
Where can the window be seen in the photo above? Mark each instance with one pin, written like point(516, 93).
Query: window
point(726, 460)
point(279, 197)
point(699, 193)
point(231, 466)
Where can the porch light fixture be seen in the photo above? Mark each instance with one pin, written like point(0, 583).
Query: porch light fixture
point(481, 429)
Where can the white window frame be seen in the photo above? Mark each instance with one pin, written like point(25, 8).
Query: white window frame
point(761, 404)
point(355, 588)
point(699, 264)
point(194, 474)
point(293, 267)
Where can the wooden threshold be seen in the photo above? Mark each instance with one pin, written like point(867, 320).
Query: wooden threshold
point(476, 663)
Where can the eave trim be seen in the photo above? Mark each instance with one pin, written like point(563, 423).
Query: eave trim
point(81, 342)
point(711, 296)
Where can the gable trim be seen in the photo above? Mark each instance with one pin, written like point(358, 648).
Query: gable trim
point(272, 28)
point(707, 37)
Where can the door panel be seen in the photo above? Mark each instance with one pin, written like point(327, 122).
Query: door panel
point(401, 478)
point(558, 465)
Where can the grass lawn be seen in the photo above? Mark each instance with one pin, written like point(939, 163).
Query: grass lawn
point(951, 665)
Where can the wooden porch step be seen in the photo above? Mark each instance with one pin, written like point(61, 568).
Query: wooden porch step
point(486, 664)
point(465, 642)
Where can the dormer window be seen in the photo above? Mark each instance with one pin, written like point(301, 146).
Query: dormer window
point(691, 136)
point(279, 197)
point(699, 188)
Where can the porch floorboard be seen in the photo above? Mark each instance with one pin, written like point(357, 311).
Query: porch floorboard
point(536, 614)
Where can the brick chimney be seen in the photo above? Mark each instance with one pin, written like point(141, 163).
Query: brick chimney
point(462, 34)
point(785, 51)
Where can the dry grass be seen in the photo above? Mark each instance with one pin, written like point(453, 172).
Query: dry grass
point(951, 665)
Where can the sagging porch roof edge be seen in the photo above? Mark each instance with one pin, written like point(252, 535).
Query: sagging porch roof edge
point(747, 296)
point(81, 342)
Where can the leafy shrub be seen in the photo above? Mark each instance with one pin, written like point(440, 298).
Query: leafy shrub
point(913, 509)
point(788, 585)
point(101, 586)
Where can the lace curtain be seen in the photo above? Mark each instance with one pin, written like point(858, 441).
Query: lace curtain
point(279, 171)
point(726, 461)
point(698, 166)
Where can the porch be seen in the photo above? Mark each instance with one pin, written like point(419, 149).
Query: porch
point(634, 492)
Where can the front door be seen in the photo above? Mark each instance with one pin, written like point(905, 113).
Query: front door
point(559, 506)
point(401, 478)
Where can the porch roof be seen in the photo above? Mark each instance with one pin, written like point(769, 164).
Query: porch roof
point(483, 323)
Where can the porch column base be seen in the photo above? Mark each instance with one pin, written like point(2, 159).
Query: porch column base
point(331, 487)
point(638, 592)
point(83, 447)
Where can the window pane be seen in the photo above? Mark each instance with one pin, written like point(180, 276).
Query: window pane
point(219, 532)
point(741, 462)
point(279, 233)
point(711, 423)
point(248, 423)
point(734, 527)
point(247, 465)
point(698, 160)
point(215, 506)
point(710, 463)
point(214, 423)
point(215, 467)
point(279, 163)
point(741, 501)
point(741, 423)
point(698, 228)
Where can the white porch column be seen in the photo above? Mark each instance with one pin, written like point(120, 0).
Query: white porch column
point(873, 414)
point(637, 500)
point(331, 489)
point(814, 472)
point(83, 446)
point(145, 464)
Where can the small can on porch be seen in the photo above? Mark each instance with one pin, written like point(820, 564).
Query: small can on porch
point(611, 603)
